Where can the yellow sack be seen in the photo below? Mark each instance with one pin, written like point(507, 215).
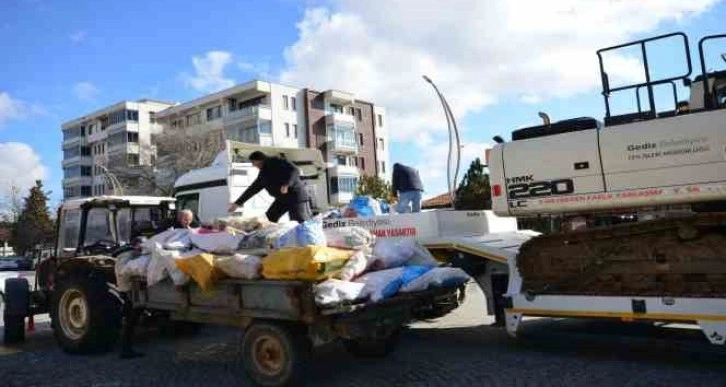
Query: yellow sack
point(201, 268)
point(310, 263)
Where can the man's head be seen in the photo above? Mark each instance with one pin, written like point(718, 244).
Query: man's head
point(185, 218)
point(258, 159)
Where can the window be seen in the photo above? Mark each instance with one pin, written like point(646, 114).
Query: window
point(359, 113)
point(362, 163)
point(336, 108)
point(343, 184)
point(98, 225)
point(340, 160)
point(214, 112)
point(86, 190)
point(194, 119)
point(70, 153)
point(188, 202)
point(71, 219)
point(360, 139)
point(351, 111)
point(132, 115)
point(294, 129)
point(132, 159)
point(381, 144)
point(152, 117)
point(293, 101)
point(265, 127)
point(85, 171)
point(287, 130)
point(383, 167)
point(85, 151)
point(132, 137)
point(380, 120)
point(285, 102)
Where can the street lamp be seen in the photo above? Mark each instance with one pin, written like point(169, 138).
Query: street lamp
point(453, 133)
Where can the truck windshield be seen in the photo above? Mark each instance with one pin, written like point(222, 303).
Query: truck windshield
point(98, 226)
point(138, 221)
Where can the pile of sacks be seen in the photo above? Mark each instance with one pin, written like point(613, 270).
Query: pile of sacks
point(347, 264)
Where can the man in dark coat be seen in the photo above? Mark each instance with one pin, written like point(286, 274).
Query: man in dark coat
point(282, 181)
point(407, 186)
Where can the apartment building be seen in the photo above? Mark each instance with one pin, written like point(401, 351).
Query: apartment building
point(352, 137)
point(350, 133)
point(111, 139)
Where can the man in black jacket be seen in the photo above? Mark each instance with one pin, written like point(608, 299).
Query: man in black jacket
point(282, 181)
point(407, 186)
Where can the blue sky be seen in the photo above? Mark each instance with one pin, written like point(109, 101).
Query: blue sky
point(64, 59)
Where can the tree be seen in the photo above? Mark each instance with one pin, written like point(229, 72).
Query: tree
point(173, 155)
point(474, 192)
point(375, 187)
point(34, 225)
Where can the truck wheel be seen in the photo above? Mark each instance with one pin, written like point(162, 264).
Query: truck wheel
point(17, 305)
point(274, 355)
point(86, 315)
point(372, 347)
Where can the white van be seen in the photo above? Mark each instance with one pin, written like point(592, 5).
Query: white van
point(208, 191)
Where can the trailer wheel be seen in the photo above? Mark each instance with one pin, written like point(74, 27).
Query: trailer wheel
point(275, 354)
point(369, 347)
point(17, 305)
point(86, 315)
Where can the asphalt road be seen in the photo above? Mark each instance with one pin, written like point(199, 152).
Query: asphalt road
point(457, 350)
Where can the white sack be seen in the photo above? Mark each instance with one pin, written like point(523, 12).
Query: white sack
point(240, 266)
point(335, 291)
point(353, 238)
point(216, 242)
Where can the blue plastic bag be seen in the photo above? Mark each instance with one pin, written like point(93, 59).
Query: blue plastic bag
point(408, 274)
point(307, 233)
point(363, 206)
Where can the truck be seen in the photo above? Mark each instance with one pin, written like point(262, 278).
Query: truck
point(643, 193)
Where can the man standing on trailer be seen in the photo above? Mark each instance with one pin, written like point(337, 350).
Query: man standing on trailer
point(282, 181)
point(407, 186)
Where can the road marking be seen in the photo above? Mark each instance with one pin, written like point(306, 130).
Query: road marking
point(4, 351)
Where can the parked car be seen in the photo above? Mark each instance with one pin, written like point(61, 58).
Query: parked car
point(9, 263)
point(25, 263)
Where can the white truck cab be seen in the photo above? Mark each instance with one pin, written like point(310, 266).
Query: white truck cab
point(208, 191)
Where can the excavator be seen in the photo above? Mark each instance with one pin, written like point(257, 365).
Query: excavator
point(644, 192)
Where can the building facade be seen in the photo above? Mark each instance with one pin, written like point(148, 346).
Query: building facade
point(350, 133)
point(114, 138)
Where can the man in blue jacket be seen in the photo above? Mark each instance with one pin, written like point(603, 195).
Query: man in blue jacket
point(408, 187)
point(282, 181)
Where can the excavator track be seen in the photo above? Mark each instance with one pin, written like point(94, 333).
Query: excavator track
point(671, 257)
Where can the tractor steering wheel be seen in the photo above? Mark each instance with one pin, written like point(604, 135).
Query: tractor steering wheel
point(101, 246)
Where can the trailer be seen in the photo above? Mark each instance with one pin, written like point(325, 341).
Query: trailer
point(282, 323)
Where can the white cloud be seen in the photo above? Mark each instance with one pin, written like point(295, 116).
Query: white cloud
point(86, 91)
point(20, 167)
point(78, 36)
point(10, 108)
point(477, 52)
point(15, 109)
point(256, 69)
point(209, 70)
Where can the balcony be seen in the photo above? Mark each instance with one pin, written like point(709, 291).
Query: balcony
point(74, 141)
point(78, 180)
point(81, 160)
point(344, 170)
point(340, 118)
point(251, 113)
point(338, 97)
point(124, 147)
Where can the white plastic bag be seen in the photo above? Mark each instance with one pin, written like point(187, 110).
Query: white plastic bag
point(216, 242)
point(354, 238)
point(127, 266)
point(266, 236)
point(356, 265)
point(437, 277)
point(380, 284)
point(172, 239)
point(162, 265)
point(393, 252)
point(334, 291)
point(400, 252)
point(240, 266)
